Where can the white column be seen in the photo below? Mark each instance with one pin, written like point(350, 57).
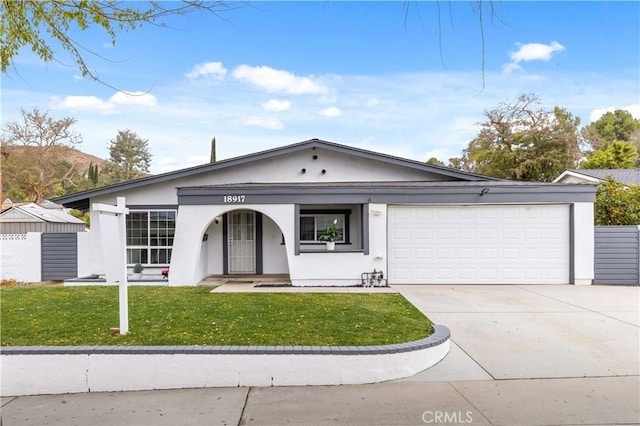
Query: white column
point(583, 243)
point(191, 222)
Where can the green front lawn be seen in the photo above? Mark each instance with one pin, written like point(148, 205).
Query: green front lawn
point(82, 316)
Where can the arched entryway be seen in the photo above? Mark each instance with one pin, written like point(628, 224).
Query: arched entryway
point(213, 240)
point(245, 242)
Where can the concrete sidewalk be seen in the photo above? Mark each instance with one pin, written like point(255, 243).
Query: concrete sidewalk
point(521, 355)
point(594, 401)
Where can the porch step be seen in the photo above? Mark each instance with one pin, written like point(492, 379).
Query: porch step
point(250, 280)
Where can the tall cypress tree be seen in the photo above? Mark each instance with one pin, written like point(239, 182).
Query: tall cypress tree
point(92, 173)
point(94, 178)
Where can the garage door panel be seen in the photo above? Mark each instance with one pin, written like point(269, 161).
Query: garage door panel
point(423, 253)
point(401, 234)
point(400, 254)
point(423, 273)
point(423, 234)
point(421, 214)
point(479, 244)
point(467, 274)
point(467, 253)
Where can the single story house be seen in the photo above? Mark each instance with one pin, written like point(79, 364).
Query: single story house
point(596, 176)
point(417, 223)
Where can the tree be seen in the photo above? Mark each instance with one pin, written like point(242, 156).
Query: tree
point(521, 141)
point(129, 156)
point(435, 162)
point(92, 173)
point(618, 125)
point(33, 157)
point(613, 155)
point(24, 24)
point(617, 204)
point(85, 215)
point(611, 139)
point(213, 151)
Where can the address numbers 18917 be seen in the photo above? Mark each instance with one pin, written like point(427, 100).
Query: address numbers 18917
point(233, 198)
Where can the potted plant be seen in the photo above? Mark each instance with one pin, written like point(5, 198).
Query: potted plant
point(137, 271)
point(165, 274)
point(330, 235)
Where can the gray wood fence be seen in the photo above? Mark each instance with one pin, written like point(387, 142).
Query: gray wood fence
point(617, 255)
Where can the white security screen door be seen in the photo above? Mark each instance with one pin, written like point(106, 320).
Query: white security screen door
point(241, 242)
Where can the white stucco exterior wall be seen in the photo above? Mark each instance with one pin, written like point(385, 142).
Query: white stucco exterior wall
point(189, 263)
point(20, 257)
point(344, 268)
point(378, 235)
point(214, 248)
point(85, 250)
point(192, 260)
point(274, 253)
point(584, 243)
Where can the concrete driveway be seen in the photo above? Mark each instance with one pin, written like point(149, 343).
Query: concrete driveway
point(520, 355)
point(533, 332)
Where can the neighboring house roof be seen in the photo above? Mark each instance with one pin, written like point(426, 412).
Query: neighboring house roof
point(80, 200)
point(8, 203)
point(624, 176)
point(46, 204)
point(34, 213)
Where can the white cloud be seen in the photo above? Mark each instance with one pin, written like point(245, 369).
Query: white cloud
point(95, 104)
point(531, 52)
point(633, 109)
point(134, 98)
point(418, 115)
point(278, 81)
point(84, 103)
point(331, 112)
point(276, 105)
point(267, 123)
point(214, 70)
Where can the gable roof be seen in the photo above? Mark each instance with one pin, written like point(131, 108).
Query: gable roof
point(624, 176)
point(34, 213)
point(81, 199)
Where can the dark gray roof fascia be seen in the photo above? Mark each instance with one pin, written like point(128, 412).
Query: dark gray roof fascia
point(82, 197)
point(392, 192)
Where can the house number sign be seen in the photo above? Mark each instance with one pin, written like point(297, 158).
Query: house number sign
point(233, 198)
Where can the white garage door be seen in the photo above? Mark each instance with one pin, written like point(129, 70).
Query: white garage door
point(490, 244)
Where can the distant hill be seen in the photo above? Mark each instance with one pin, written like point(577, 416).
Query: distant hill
point(72, 155)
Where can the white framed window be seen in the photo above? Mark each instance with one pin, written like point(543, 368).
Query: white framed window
point(312, 225)
point(150, 236)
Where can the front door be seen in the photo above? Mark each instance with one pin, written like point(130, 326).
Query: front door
point(241, 242)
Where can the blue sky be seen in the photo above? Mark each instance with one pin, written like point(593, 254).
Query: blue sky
point(403, 78)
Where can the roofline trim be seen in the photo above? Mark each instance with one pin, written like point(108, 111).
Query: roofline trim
point(269, 153)
point(577, 174)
